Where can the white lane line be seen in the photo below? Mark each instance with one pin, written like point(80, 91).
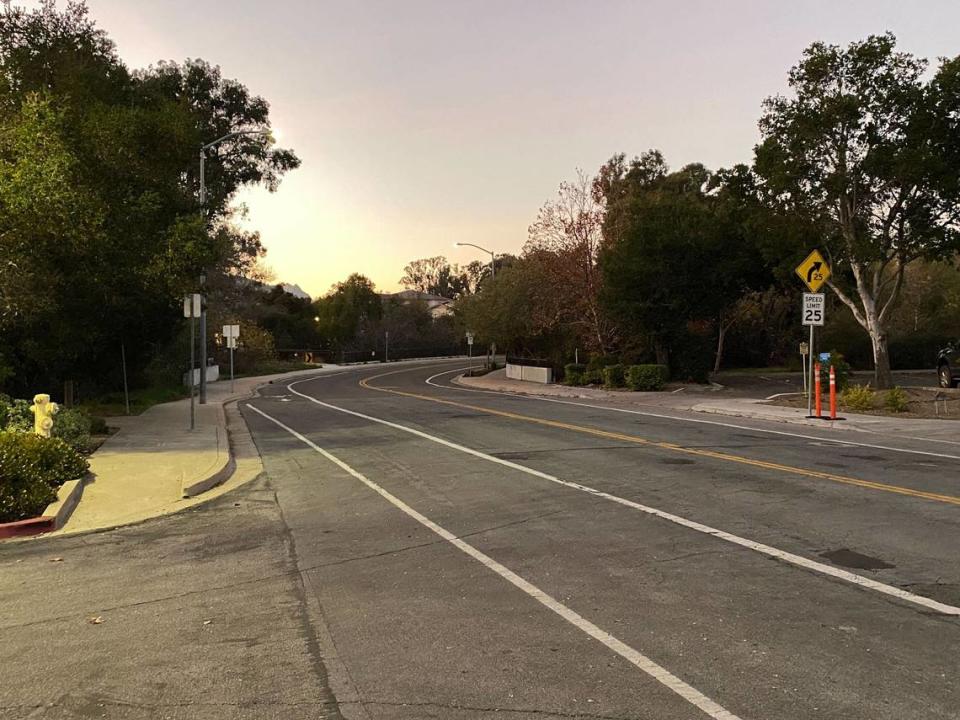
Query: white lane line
point(767, 550)
point(635, 657)
point(733, 426)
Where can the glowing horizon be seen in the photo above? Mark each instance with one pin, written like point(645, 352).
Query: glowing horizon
point(431, 122)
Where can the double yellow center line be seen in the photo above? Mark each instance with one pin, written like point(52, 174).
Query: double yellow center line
point(673, 447)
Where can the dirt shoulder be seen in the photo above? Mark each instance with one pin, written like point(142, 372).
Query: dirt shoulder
point(918, 402)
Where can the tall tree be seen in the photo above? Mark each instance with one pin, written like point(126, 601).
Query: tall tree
point(865, 153)
point(346, 308)
point(102, 199)
point(435, 275)
point(676, 256)
point(566, 236)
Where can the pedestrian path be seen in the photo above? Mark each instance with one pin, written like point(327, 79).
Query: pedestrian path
point(142, 470)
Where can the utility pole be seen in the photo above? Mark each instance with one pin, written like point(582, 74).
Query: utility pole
point(191, 309)
point(203, 341)
point(203, 277)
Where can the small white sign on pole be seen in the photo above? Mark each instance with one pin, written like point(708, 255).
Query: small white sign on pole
point(814, 309)
point(231, 333)
point(469, 338)
point(191, 305)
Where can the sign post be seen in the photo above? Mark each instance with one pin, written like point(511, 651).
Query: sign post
point(470, 353)
point(804, 354)
point(814, 316)
point(814, 272)
point(833, 394)
point(191, 309)
point(231, 333)
point(818, 390)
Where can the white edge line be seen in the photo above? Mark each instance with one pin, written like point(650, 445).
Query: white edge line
point(702, 421)
point(767, 550)
point(651, 668)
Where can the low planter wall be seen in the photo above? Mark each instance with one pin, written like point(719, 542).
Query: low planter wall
point(213, 374)
point(530, 374)
point(53, 518)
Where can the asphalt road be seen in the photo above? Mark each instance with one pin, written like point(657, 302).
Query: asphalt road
point(421, 550)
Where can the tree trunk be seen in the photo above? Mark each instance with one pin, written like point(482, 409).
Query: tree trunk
point(882, 377)
point(873, 320)
point(662, 352)
point(719, 357)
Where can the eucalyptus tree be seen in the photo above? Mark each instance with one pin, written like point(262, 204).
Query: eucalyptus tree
point(864, 151)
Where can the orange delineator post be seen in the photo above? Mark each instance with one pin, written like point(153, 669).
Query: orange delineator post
point(833, 393)
point(817, 389)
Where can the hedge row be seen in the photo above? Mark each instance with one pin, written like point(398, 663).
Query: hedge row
point(71, 425)
point(642, 378)
point(31, 470)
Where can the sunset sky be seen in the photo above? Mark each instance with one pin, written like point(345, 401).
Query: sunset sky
point(421, 123)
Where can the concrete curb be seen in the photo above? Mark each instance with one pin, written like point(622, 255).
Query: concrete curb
point(242, 457)
point(221, 474)
point(759, 415)
point(54, 516)
point(226, 471)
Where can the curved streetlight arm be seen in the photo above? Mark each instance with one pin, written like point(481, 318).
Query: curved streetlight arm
point(493, 256)
point(465, 244)
point(203, 158)
point(235, 133)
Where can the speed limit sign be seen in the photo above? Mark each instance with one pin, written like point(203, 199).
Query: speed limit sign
point(814, 306)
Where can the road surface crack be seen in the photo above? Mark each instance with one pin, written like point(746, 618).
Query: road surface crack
point(496, 709)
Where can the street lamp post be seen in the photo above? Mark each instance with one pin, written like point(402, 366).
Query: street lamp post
point(493, 257)
point(203, 213)
point(493, 275)
point(203, 340)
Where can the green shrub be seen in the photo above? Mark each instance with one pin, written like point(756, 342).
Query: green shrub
point(599, 362)
point(574, 373)
point(646, 377)
point(73, 427)
point(857, 398)
point(593, 377)
point(841, 369)
point(31, 470)
point(69, 424)
point(98, 426)
point(691, 357)
point(15, 415)
point(613, 376)
point(896, 400)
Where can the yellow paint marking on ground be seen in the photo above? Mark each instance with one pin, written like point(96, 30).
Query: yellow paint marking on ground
point(637, 440)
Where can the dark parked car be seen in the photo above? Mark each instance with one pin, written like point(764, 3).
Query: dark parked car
point(948, 365)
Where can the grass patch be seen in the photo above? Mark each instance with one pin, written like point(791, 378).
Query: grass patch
point(858, 398)
point(760, 371)
point(268, 367)
point(112, 404)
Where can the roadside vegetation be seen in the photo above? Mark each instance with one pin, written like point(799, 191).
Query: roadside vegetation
point(692, 268)
point(912, 402)
point(636, 264)
point(32, 468)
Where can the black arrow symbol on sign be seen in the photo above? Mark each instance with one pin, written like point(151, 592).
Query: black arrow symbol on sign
point(813, 268)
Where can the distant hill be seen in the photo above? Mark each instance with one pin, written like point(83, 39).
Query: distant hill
point(295, 290)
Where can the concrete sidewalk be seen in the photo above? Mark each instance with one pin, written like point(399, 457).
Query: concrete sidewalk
point(713, 400)
point(143, 470)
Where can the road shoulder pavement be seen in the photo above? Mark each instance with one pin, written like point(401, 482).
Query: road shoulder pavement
point(155, 465)
point(711, 400)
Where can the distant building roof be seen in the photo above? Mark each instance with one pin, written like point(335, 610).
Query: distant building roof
point(436, 304)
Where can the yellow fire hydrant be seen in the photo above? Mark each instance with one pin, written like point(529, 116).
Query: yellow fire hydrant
point(43, 412)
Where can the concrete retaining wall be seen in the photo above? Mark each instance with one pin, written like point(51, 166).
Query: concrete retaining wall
point(530, 374)
point(213, 374)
